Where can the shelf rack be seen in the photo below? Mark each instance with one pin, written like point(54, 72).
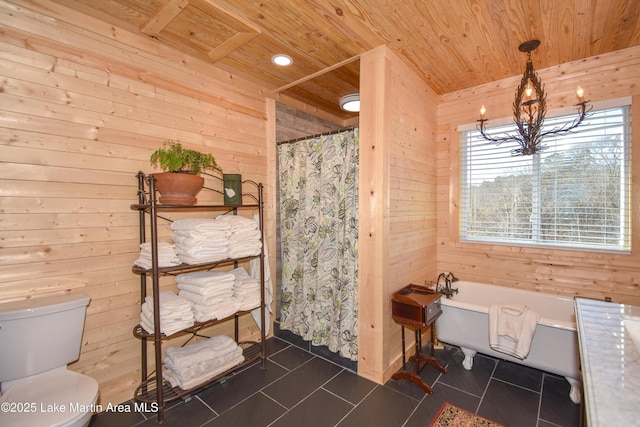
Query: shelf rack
point(152, 388)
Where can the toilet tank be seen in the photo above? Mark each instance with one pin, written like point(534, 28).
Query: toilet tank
point(40, 334)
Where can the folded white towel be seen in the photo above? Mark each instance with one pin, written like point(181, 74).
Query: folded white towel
point(196, 381)
point(246, 290)
point(219, 311)
point(145, 262)
point(168, 301)
point(185, 241)
point(191, 371)
point(203, 234)
point(199, 224)
point(167, 314)
point(243, 278)
point(146, 246)
point(246, 285)
point(510, 320)
point(511, 329)
point(213, 362)
point(180, 357)
point(196, 238)
point(245, 244)
point(190, 249)
point(247, 294)
point(196, 298)
point(163, 248)
point(206, 278)
point(167, 328)
point(245, 235)
point(175, 313)
point(186, 259)
point(247, 304)
point(237, 222)
point(244, 252)
point(167, 256)
point(208, 291)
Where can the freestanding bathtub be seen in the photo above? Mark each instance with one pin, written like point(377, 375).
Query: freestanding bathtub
point(465, 323)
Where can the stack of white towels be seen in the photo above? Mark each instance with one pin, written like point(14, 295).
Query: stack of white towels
point(201, 240)
point(246, 290)
point(194, 364)
point(175, 313)
point(245, 239)
point(209, 292)
point(167, 256)
point(205, 240)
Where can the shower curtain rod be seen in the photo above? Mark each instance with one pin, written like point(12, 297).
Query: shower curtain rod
point(302, 138)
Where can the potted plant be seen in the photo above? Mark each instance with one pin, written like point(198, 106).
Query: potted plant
point(181, 182)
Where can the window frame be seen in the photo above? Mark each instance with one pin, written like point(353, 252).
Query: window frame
point(626, 188)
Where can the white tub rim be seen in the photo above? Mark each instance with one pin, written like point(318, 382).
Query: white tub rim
point(544, 321)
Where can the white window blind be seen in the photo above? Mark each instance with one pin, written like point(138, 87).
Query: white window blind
point(576, 193)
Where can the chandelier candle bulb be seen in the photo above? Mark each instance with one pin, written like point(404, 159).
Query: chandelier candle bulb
point(580, 94)
point(529, 91)
point(483, 111)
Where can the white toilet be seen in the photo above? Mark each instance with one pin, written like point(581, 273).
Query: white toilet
point(38, 338)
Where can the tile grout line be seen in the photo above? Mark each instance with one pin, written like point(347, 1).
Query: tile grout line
point(517, 385)
point(260, 390)
point(426, 394)
point(355, 406)
point(540, 400)
point(495, 367)
point(320, 387)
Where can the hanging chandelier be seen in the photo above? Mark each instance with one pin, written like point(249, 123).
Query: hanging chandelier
point(529, 109)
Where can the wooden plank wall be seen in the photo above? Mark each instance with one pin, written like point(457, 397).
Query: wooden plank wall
point(569, 272)
point(397, 201)
point(82, 106)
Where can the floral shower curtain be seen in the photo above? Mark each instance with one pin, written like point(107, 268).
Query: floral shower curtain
point(319, 238)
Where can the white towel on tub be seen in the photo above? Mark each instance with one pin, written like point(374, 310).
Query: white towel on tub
point(511, 329)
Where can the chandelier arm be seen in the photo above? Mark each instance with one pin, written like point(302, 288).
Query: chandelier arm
point(583, 114)
point(497, 140)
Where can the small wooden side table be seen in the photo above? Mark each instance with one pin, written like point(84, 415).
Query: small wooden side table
point(417, 307)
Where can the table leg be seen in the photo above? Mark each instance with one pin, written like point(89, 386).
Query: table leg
point(422, 359)
point(404, 357)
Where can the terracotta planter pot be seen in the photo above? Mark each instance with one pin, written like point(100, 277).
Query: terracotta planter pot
point(178, 188)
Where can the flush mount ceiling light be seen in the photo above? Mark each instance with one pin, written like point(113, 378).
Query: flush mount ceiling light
point(282, 60)
point(350, 102)
point(529, 110)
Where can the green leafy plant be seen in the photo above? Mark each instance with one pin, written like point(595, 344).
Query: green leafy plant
point(173, 157)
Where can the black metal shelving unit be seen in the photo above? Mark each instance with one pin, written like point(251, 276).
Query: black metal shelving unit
point(152, 388)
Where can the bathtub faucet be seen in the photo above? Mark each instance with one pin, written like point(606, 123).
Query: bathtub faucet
point(448, 279)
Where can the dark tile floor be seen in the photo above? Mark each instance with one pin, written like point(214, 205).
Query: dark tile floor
point(299, 388)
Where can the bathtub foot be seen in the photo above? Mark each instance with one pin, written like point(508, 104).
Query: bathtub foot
point(576, 385)
point(467, 363)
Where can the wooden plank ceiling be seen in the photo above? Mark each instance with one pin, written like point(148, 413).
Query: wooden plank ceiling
point(452, 44)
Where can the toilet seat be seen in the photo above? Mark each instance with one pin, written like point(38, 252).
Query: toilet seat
point(55, 398)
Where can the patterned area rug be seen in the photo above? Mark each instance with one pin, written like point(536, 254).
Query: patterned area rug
point(453, 416)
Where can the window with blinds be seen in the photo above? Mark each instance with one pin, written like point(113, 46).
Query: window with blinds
point(574, 194)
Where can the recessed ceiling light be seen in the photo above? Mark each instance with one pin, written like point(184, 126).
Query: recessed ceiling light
point(282, 59)
point(350, 102)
